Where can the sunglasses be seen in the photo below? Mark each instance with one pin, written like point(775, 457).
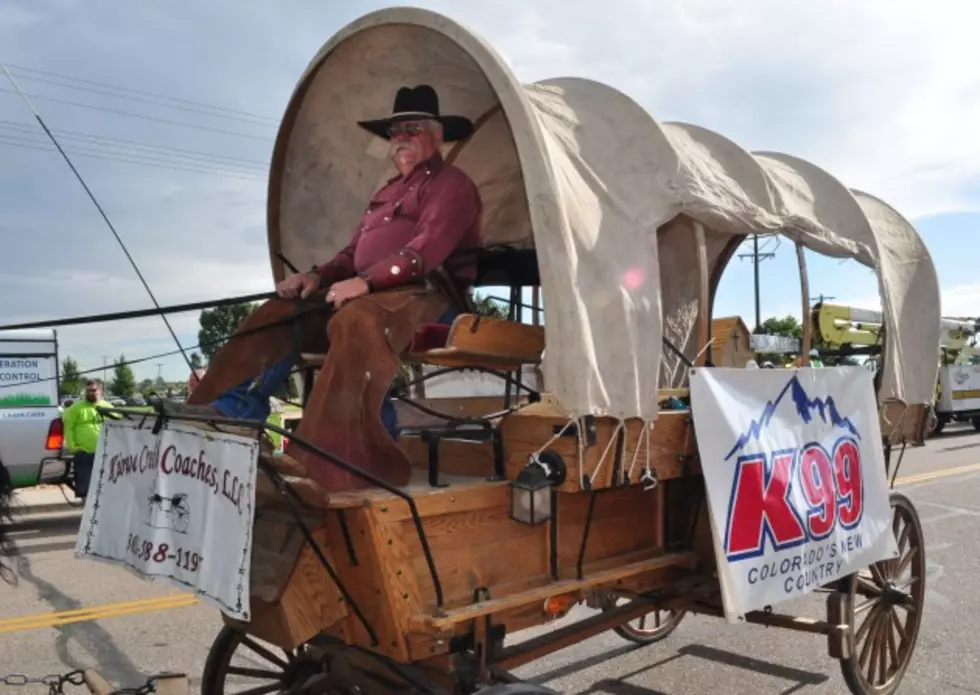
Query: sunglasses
point(411, 129)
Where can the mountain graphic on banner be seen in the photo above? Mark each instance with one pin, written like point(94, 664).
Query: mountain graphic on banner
point(805, 407)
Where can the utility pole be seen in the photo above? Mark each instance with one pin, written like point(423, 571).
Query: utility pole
point(821, 298)
point(756, 257)
point(105, 363)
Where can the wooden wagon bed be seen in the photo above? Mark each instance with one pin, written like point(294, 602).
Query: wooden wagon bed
point(613, 536)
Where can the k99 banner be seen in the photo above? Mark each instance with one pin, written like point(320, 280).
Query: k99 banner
point(795, 476)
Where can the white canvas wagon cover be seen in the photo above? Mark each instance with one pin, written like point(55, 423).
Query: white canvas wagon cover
point(605, 194)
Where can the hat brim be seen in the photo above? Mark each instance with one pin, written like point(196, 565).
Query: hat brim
point(454, 128)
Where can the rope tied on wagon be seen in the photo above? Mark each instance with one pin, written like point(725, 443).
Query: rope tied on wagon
point(648, 478)
point(620, 427)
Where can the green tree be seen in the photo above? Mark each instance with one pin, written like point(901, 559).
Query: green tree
point(485, 306)
point(196, 361)
point(787, 326)
point(71, 379)
point(123, 382)
point(218, 324)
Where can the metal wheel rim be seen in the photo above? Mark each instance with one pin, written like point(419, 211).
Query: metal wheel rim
point(882, 642)
point(665, 621)
point(283, 673)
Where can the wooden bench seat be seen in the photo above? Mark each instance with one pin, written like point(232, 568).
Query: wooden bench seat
point(471, 341)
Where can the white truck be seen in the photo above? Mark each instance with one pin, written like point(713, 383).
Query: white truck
point(31, 428)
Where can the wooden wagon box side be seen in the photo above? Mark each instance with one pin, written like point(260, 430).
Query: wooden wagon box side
point(484, 557)
point(291, 602)
point(671, 443)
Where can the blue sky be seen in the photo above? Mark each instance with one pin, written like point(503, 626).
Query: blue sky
point(885, 95)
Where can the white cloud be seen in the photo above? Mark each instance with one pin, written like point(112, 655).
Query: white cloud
point(883, 95)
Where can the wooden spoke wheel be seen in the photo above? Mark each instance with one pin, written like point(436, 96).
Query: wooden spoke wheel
point(648, 628)
point(259, 670)
point(883, 606)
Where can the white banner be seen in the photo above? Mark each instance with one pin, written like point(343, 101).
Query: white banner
point(177, 507)
point(795, 476)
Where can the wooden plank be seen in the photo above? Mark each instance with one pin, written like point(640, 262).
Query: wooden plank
point(428, 500)
point(96, 684)
point(527, 430)
point(471, 540)
point(624, 521)
point(456, 457)
point(704, 293)
point(476, 610)
point(805, 298)
point(454, 357)
point(487, 336)
point(367, 583)
point(309, 603)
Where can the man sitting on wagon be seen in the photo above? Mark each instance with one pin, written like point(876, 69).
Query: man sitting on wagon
point(379, 293)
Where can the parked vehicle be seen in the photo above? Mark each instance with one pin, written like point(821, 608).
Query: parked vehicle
point(31, 429)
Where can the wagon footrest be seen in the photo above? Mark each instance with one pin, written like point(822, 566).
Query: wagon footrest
point(428, 623)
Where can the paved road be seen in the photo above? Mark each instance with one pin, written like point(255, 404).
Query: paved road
point(68, 614)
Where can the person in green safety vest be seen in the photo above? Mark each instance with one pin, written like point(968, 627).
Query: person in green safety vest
point(815, 360)
point(83, 425)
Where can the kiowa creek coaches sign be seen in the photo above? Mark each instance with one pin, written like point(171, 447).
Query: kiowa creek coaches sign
point(795, 478)
point(176, 506)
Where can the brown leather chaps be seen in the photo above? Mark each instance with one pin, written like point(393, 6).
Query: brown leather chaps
point(362, 341)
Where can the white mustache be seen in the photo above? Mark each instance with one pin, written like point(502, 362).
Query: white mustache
point(404, 146)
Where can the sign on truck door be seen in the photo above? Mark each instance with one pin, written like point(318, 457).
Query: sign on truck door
point(30, 416)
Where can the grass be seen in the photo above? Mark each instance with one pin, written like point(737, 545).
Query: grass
point(24, 399)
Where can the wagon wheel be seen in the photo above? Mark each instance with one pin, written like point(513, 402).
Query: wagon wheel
point(276, 673)
point(647, 629)
point(887, 600)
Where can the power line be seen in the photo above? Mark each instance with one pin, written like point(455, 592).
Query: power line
point(110, 141)
point(151, 157)
point(138, 91)
point(130, 161)
point(250, 120)
point(139, 115)
point(120, 151)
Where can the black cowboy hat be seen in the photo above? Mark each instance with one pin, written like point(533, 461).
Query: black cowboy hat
point(419, 103)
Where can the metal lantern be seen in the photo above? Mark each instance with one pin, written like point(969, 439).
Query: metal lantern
point(531, 491)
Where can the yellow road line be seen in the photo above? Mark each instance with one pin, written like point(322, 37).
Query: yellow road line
point(932, 475)
point(111, 610)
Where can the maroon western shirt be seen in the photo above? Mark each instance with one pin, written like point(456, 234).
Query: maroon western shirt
point(412, 225)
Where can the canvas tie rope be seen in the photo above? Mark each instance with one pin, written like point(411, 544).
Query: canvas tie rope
point(605, 453)
point(648, 477)
point(533, 458)
point(578, 422)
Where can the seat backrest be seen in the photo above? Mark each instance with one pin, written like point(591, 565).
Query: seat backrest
point(482, 335)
